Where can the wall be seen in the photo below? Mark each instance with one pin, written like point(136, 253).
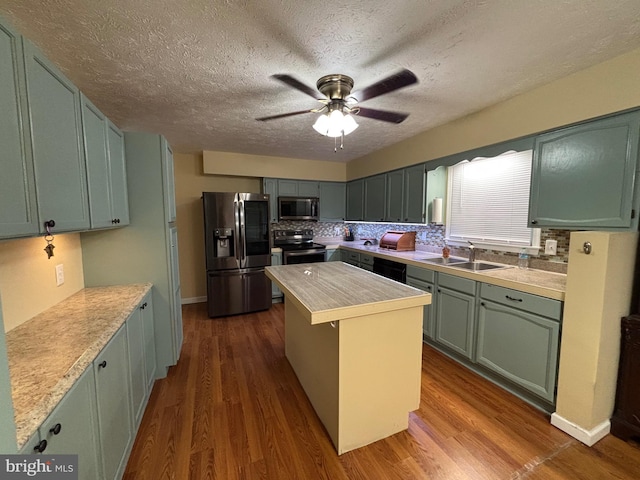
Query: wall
point(240, 165)
point(28, 279)
point(605, 88)
point(190, 183)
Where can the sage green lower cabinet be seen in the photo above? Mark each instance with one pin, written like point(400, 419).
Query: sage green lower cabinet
point(111, 369)
point(352, 258)
point(334, 255)
point(518, 337)
point(276, 293)
point(455, 315)
point(137, 374)
point(146, 311)
point(424, 279)
point(366, 262)
point(72, 428)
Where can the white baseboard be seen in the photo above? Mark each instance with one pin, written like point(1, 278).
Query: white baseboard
point(187, 301)
point(588, 437)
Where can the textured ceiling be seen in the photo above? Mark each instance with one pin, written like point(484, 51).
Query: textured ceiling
point(198, 71)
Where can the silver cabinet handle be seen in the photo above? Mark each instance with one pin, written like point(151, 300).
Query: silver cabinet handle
point(586, 247)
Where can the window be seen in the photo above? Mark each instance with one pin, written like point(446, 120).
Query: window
point(488, 202)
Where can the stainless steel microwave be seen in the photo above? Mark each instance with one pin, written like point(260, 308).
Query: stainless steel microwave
point(298, 208)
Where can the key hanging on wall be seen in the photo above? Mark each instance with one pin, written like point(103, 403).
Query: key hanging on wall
point(49, 238)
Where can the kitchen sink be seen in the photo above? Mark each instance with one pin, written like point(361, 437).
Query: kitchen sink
point(478, 266)
point(444, 261)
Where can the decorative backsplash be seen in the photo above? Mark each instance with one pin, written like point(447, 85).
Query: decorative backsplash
point(433, 236)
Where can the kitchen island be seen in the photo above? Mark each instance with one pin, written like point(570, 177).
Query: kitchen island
point(354, 340)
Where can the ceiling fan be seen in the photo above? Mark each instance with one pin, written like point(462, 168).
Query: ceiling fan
point(339, 103)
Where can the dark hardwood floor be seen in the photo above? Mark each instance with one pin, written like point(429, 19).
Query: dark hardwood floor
point(233, 409)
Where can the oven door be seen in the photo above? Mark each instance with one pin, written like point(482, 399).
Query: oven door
point(303, 256)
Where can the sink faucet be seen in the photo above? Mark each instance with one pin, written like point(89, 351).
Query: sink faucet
point(472, 252)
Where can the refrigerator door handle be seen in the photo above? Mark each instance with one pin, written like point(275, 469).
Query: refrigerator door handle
point(242, 252)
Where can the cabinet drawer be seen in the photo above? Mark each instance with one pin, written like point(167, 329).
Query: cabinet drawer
point(353, 256)
point(463, 285)
point(535, 304)
point(423, 274)
point(366, 259)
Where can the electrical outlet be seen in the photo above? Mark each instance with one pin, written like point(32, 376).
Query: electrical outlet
point(59, 275)
point(551, 247)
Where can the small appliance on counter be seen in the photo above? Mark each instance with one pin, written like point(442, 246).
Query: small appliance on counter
point(348, 234)
point(398, 241)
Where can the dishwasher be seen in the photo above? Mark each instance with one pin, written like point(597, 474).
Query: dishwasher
point(387, 268)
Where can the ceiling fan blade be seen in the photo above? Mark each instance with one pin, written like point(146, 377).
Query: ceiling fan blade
point(298, 85)
point(283, 115)
point(384, 115)
point(402, 79)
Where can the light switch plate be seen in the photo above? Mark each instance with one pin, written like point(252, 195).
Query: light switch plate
point(551, 247)
point(59, 275)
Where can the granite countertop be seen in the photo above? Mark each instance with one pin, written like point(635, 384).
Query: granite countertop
point(329, 291)
point(537, 282)
point(48, 353)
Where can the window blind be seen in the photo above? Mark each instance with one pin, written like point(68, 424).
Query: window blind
point(488, 200)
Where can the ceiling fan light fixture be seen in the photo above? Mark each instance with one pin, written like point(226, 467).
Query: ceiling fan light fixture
point(335, 124)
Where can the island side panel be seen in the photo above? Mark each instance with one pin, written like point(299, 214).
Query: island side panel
point(380, 373)
point(312, 351)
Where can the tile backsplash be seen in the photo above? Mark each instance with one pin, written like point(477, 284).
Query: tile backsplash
point(433, 236)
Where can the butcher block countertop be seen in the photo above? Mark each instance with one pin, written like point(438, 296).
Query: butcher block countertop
point(48, 353)
point(537, 282)
point(331, 291)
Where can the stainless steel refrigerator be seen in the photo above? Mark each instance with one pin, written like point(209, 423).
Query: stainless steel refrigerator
point(237, 248)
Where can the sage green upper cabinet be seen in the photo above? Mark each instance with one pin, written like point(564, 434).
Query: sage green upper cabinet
point(56, 127)
point(298, 188)
point(355, 200)
point(413, 210)
point(106, 177)
point(18, 215)
point(287, 188)
point(332, 201)
point(270, 187)
point(583, 176)
point(394, 196)
point(308, 189)
point(436, 188)
point(118, 175)
point(375, 189)
point(169, 183)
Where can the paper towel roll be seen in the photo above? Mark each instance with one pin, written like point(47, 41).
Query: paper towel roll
point(436, 210)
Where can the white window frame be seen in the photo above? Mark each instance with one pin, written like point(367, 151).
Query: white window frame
point(462, 237)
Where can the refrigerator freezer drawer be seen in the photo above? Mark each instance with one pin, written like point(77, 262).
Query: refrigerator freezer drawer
point(238, 291)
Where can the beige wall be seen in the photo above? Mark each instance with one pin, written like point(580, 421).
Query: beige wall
point(190, 183)
point(240, 165)
point(28, 279)
point(605, 88)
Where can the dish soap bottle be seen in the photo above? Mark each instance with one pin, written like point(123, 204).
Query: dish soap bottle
point(445, 251)
point(523, 259)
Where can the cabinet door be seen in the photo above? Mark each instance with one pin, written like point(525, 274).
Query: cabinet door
point(287, 188)
point(94, 132)
point(137, 374)
point(175, 289)
point(56, 137)
point(76, 421)
point(148, 333)
point(375, 189)
point(333, 201)
point(111, 369)
point(519, 346)
point(455, 321)
point(334, 255)
point(414, 195)
point(436, 188)
point(583, 176)
point(308, 189)
point(169, 183)
point(270, 187)
point(18, 215)
point(428, 320)
point(394, 196)
point(276, 259)
point(117, 175)
point(355, 200)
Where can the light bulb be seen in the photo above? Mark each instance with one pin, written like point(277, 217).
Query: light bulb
point(349, 124)
point(322, 124)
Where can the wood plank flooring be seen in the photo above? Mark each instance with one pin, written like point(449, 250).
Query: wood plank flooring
point(233, 409)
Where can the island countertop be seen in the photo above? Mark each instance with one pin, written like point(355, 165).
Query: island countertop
point(331, 291)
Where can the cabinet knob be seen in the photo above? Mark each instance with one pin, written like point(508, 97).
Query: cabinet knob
point(439, 291)
point(533, 222)
point(56, 429)
point(102, 364)
point(41, 446)
point(482, 304)
point(513, 299)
